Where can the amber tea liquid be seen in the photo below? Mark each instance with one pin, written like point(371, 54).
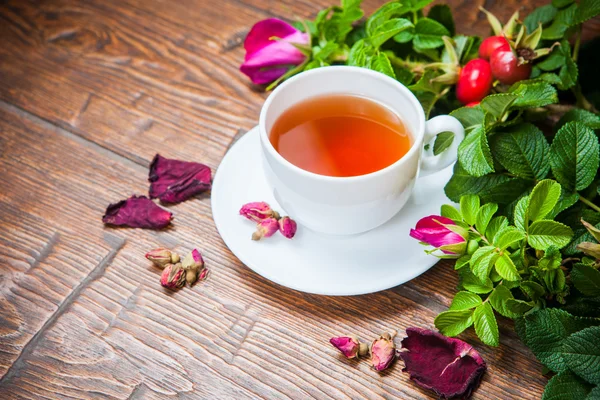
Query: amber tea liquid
point(340, 135)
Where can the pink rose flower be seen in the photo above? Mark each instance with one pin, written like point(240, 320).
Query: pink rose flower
point(348, 345)
point(287, 227)
point(269, 53)
point(442, 233)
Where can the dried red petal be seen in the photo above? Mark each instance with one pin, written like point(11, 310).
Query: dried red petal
point(450, 367)
point(137, 212)
point(348, 345)
point(383, 352)
point(173, 181)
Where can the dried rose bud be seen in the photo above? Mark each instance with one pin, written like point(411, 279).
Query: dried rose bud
point(266, 228)
point(203, 274)
point(383, 352)
point(349, 346)
point(173, 276)
point(191, 276)
point(258, 211)
point(287, 227)
point(161, 257)
point(193, 260)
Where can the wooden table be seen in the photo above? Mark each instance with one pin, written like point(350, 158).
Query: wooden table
point(89, 92)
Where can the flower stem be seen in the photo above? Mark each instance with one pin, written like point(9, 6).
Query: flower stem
point(577, 43)
point(589, 203)
point(475, 231)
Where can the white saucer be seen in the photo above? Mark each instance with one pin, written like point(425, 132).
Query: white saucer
point(312, 262)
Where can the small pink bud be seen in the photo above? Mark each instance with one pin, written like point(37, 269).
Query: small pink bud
point(161, 257)
point(258, 211)
point(193, 260)
point(383, 352)
point(266, 228)
point(287, 227)
point(173, 276)
point(204, 274)
point(348, 345)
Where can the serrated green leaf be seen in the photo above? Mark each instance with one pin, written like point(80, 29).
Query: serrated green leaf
point(387, 30)
point(562, 20)
point(469, 207)
point(523, 150)
point(471, 283)
point(497, 188)
point(579, 115)
point(498, 300)
point(381, 63)
point(480, 253)
point(498, 104)
point(545, 233)
point(581, 353)
point(567, 386)
point(481, 269)
point(462, 261)
point(442, 141)
point(543, 198)
point(568, 70)
point(553, 61)
point(506, 268)
point(539, 15)
point(426, 83)
point(565, 201)
point(405, 36)
point(474, 153)
point(496, 225)
point(520, 215)
point(449, 211)
point(518, 307)
point(551, 259)
point(465, 301)
point(532, 289)
point(586, 279)
point(359, 54)
point(383, 14)
point(507, 237)
point(428, 34)
point(484, 216)
point(486, 326)
point(452, 323)
point(469, 117)
point(427, 100)
point(574, 156)
point(442, 14)
point(536, 94)
point(562, 3)
point(467, 47)
point(587, 9)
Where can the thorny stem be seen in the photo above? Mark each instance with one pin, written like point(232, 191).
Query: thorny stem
point(589, 203)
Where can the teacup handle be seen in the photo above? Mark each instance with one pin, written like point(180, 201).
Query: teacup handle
point(430, 163)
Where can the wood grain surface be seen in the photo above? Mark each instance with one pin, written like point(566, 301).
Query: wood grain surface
point(89, 92)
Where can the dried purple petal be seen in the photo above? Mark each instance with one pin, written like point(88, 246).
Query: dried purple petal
point(450, 367)
point(173, 276)
point(161, 257)
point(173, 181)
point(287, 227)
point(348, 345)
point(137, 212)
point(258, 211)
point(383, 352)
point(265, 228)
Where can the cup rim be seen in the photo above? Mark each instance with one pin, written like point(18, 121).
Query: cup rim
point(266, 142)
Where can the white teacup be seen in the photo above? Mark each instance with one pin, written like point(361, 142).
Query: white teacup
point(349, 205)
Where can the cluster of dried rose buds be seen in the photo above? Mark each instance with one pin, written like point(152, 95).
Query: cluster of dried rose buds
point(177, 271)
point(381, 351)
point(268, 220)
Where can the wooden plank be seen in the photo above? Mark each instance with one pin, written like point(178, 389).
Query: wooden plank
point(116, 331)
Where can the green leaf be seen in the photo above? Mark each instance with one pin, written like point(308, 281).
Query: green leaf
point(479, 254)
point(539, 15)
point(523, 150)
point(535, 94)
point(518, 307)
point(482, 267)
point(387, 30)
point(574, 156)
point(469, 207)
point(498, 300)
point(449, 211)
point(496, 225)
point(545, 233)
point(462, 261)
point(506, 268)
point(507, 237)
point(427, 100)
point(565, 201)
point(465, 301)
point(567, 386)
point(587, 9)
point(581, 353)
point(428, 34)
point(452, 323)
point(486, 326)
point(543, 198)
point(579, 115)
point(381, 63)
point(547, 329)
point(442, 141)
point(562, 3)
point(469, 117)
point(561, 22)
point(484, 216)
point(498, 104)
point(553, 61)
point(497, 188)
point(359, 54)
point(471, 283)
point(586, 279)
point(533, 290)
point(520, 216)
point(426, 83)
point(442, 14)
point(383, 14)
point(405, 36)
point(568, 71)
point(551, 259)
point(474, 153)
